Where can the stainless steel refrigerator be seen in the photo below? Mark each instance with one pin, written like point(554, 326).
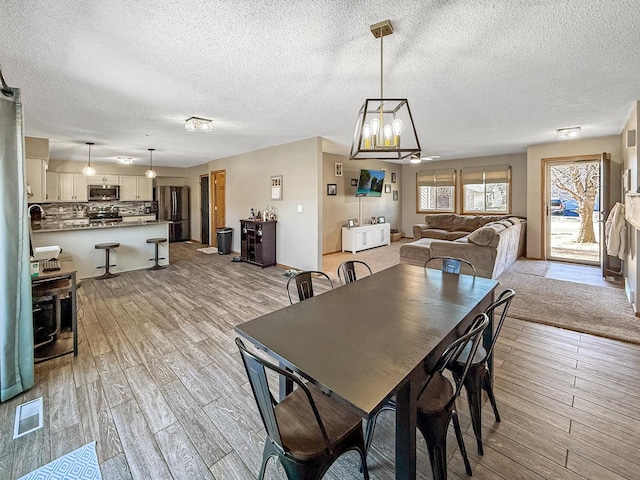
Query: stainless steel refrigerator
point(173, 207)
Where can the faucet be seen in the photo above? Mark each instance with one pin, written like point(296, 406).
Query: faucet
point(42, 214)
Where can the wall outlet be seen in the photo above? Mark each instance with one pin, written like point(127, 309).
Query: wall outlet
point(299, 209)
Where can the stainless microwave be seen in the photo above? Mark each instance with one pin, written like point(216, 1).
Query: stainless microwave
point(103, 192)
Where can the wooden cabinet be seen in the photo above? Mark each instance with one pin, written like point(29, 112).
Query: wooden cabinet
point(73, 187)
point(258, 242)
point(36, 180)
point(103, 180)
point(53, 188)
point(355, 239)
point(136, 188)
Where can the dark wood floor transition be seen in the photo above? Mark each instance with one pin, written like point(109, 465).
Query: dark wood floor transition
point(160, 387)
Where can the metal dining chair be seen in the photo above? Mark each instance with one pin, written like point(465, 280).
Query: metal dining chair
point(308, 430)
point(437, 402)
point(348, 271)
point(479, 376)
point(304, 283)
point(452, 264)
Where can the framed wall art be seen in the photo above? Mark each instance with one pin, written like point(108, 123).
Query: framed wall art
point(332, 189)
point(338, 169)
point(387, 188)
point(393, 177)
point(276, 187)
point(395, 195)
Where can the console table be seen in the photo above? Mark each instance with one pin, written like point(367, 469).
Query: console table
point(355, 239)
point(58, 284)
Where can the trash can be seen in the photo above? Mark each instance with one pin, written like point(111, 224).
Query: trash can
point(224, 236)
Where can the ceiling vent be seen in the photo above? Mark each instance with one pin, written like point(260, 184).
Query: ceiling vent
point(631, 138)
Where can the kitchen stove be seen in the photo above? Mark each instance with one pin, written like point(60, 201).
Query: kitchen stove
point(111, 214)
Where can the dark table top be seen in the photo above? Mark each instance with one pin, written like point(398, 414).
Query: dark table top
point(363, 339)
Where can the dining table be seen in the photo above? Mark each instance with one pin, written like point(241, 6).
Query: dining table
point(374, 338)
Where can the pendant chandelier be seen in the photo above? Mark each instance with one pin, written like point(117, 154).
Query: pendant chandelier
point(384, 129)
point(89, 170)
point(151, 172)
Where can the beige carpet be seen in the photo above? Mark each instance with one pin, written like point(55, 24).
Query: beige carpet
point(602, 311)
point(597, 310)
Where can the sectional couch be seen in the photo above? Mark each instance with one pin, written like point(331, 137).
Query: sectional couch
point(490, 243)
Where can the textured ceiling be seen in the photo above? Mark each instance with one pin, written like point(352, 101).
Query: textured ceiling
point(482, 77)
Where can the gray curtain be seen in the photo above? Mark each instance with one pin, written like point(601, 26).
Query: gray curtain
point(16, 328)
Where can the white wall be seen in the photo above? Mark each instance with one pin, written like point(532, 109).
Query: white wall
point(337, 209)
point(299, 241)
point(192, 180)
point(518, 162)
point(559, 149)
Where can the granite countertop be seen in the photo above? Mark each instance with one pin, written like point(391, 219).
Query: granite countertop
point(95, 226)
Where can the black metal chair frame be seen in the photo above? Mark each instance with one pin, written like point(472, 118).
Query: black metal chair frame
point(434, 425)
point(452, 264)
point(304, 284)
point(348, 270)
point(295, 468)
point(479, 376)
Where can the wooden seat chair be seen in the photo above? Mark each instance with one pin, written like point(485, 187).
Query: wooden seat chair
point(451, 264)
point(304, 283)
point(308, 430)
point(479, 377)
point(437, 402)
point(348, 271)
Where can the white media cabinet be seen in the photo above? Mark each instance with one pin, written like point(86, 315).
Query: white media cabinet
point(355, 239)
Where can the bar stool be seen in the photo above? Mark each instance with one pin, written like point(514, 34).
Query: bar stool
point(157, 241)
point(107, 250)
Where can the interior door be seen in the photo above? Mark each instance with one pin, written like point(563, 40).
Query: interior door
point(218, 214)
point(204, 209)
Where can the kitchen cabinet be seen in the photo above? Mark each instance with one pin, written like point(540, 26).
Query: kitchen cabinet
point(53, 187)
point(36, 180)
point(258, 242)
point(355, 239)
point(103, 180)
point(73, 187)
point(134, 188)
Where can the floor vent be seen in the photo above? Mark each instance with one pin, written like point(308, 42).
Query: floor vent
point(28, 417)
point(631, 138)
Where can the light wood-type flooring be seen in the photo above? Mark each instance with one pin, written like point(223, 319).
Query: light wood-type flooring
point(159, 385)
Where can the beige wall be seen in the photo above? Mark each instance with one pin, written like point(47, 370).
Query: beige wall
point(337, 209)
point(248, 186)
point(559, 149)
point(518, 162)
point(630, 161)
point(192, 180)
point(36, 147)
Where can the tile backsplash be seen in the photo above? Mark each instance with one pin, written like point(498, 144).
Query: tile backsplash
point(58, 212)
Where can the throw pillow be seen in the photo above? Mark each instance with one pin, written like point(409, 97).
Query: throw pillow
point(485, 235)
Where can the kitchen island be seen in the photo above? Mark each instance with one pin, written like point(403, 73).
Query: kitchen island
point(79, 240)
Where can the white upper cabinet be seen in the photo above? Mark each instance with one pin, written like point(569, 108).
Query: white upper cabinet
point(103, 180)
point(136, 188)
point(73, 187)
point(53, 191)
point(36, 180)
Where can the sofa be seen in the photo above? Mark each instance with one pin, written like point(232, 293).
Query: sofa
point(490, 243)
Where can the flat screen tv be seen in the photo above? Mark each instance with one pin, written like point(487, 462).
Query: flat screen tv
point(370, 183)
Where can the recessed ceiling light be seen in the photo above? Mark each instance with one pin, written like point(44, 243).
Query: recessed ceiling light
point(125, 160)
point(568, 133)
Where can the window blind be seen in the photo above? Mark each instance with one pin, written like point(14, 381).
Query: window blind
point(492, 174)
point(436, 178)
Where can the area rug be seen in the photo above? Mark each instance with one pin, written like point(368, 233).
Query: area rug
point(530, 267)
point(81, 464)
point(602, 311)
point(208, 250)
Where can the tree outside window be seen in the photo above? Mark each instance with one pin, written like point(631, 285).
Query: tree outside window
point(435, 191)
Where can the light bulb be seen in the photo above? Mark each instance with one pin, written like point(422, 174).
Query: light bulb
point(375, 126)
point(415, 160)
point(88, 170)
point(388, 131)
point(397, 130)
point(366, 135)
point(150, 173)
